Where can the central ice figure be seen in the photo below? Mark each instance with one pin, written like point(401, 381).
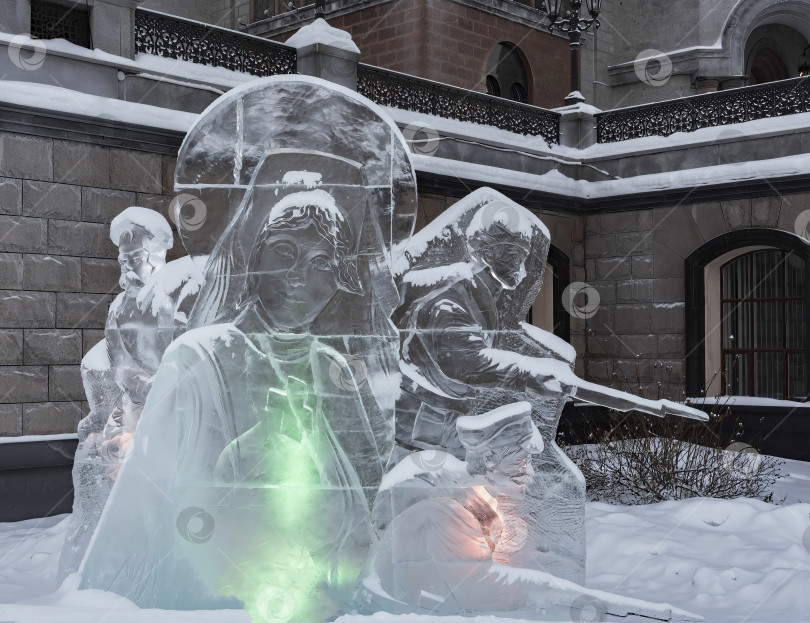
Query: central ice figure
point(256, 435)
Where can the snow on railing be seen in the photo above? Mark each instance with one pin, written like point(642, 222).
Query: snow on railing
point(406, 92)
point(174, 37)
point(774, 99)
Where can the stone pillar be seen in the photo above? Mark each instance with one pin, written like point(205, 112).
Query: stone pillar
point(578, 125)
point(326, 52)
point(112, 26)
point(15, 16)
point(706, 85)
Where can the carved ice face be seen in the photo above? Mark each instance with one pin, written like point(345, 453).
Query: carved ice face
point(295, 277)
point(506, 261)
point(137, 265)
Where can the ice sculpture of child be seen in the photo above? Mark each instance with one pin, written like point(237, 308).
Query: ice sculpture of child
point(448, 533)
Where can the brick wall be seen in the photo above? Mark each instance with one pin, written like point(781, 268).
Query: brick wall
point(58, 267)
point(450, 42)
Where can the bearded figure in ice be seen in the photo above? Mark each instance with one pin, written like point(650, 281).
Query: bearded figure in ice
point(118, 371)
point(466, 283)
point(449, 531)
point(265, 435)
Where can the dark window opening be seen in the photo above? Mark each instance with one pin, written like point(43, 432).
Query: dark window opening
point(493, 88)
point(58, 21)
point(506, 74)
point(517, 92)
point(764, 339)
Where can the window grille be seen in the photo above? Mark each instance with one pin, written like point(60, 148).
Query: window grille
point(764, 298)
point(58, 21)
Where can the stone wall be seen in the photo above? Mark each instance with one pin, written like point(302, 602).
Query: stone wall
point(58, 267)
point(636, 261)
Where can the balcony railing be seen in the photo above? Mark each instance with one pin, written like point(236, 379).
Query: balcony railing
point(390, 88)
point(171, 37)
point(775, 99)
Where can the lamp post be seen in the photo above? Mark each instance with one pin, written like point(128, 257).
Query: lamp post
point(565, 16)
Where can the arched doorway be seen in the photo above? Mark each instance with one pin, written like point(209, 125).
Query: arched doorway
point(773, 52)
point(506, 73)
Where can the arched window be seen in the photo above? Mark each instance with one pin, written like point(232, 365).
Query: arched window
point(506, 74)
point(764, 325)
point(747, 307)
point(773, 52)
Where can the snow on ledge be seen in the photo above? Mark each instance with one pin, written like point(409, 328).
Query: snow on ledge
point(59, 99)
point(33, 438)
point(320, 31)
point(555, 182)
point(748, 401)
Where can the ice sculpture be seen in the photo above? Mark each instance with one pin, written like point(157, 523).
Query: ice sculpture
point(449, 530)
point(264, 438)
point(118, 371)
point(466, 282)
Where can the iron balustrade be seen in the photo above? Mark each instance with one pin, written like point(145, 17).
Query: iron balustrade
point(57, 21)
point(396, 90)
point(774, 99)
point(171, 37)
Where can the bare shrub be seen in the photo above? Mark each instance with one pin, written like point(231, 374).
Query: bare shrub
point(632, 458)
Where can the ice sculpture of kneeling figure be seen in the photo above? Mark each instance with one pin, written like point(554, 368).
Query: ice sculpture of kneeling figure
point(449, 527)
point(245, 433)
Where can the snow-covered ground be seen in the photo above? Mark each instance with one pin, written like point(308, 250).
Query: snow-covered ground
point(732, 561)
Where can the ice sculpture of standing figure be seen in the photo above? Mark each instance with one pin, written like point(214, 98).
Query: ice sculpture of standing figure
point(118, 372)
point(263, 440)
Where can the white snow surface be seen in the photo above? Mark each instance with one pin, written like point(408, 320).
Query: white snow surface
point(458, 271)
point(731, 561)
point(68, 101)
point(153, 222)
point(748, 401)
point(551, 342)
point(185, 72)
point(506, 412)
point(30, 438)
point(320, 31)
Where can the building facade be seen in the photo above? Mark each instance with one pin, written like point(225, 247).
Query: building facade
point(662, 215)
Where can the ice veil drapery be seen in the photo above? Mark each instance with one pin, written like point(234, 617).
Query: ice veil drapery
point(261, 446)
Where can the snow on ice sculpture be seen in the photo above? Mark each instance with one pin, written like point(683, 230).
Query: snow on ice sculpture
point(117, 372)
point(467, 281)
point(264, 438)
point(450, 528)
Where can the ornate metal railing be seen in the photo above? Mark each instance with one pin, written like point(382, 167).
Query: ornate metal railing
point(775, 99)
point(171, 37)
point(390, 88)
point(56, 21)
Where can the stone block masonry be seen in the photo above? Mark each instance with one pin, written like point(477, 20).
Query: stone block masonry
point(636, 260)
point(59, 269)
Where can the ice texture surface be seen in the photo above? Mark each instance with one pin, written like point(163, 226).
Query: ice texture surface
point(117, 372)
point(269, 424)
point(349, 418)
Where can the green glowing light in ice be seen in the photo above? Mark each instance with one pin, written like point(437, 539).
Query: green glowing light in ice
point(282, 580)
